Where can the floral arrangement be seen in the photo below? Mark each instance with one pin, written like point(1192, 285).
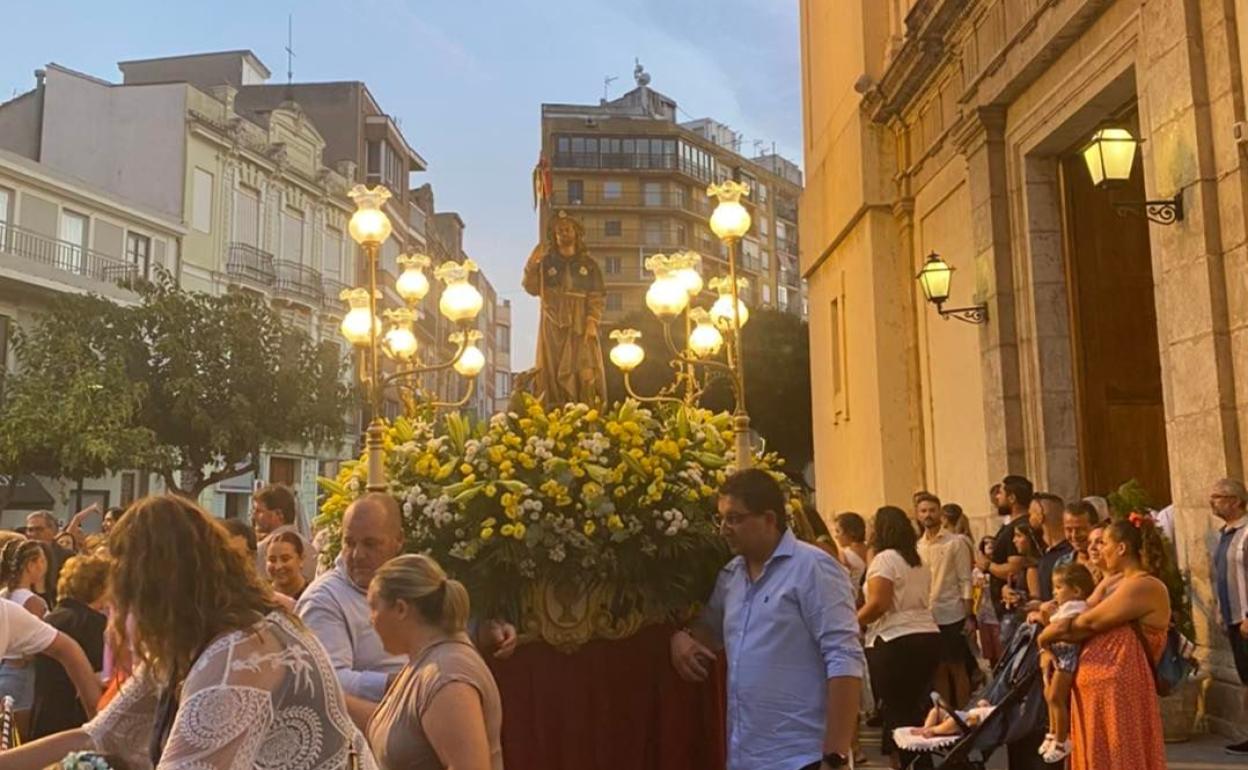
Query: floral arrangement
point(570, 496)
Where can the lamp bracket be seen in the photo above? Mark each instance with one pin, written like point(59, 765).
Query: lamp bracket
point(977, 314)
point(1163, 212)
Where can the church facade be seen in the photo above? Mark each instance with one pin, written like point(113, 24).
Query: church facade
point(1113, 346)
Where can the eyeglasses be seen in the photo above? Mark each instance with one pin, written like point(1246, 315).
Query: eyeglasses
point(735, 519)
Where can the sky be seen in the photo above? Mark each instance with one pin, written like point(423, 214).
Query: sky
point(465, 79)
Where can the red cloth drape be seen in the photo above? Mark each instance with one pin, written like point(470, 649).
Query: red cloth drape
point(612, 705)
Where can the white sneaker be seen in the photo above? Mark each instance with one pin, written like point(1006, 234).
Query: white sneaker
point(1049, 740)
point(1058, 751)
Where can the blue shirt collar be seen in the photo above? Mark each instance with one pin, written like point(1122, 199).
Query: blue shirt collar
point(785, 548)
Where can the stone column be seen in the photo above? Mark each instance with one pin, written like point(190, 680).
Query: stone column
point(981, 140)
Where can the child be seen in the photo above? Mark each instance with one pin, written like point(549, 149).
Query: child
point(934, 725)
point(1072, 585)
point(985, 614)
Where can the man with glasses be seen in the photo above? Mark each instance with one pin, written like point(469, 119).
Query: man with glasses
point(783, 611)
point(43, 527)
point(1229, 501)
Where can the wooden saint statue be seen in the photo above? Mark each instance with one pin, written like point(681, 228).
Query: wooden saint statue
point(567, 280)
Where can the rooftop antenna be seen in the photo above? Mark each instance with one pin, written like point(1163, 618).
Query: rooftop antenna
point(290, 49)
point(758, 147)
point(606, 83)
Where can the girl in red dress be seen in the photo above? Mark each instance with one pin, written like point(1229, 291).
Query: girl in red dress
point(1115, 712)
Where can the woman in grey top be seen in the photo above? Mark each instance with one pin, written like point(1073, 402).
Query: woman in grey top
point(443, 709)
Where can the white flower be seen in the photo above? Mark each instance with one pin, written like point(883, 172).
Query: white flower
point(407, 509)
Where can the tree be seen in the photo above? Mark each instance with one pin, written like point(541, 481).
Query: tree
point(777, 377)
point(187, 385)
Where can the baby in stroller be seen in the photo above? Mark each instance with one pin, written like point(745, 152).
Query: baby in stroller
point(941, 722)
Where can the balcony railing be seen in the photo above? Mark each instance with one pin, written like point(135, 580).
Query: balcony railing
point(298, 282)
point(786, 209)
point(787, 246)
point(331, 289)
point(669, 199)
point(65, 256)
point(250, 265)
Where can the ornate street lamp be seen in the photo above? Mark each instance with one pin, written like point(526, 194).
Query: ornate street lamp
point(362, 326)
point(677, 283)
point(1110, 156)
point(935, 278)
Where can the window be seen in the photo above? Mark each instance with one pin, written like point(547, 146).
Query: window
point(652, 194)
point(292, 235)
point(6, 201)
point(201, 201)
point(681, 236)
point(614, 301)
point(782, 297)
point(247, 216)
point(766, 294)
point(373, 160)
point(612, 227)
point(73, 237)
point(764, 226)
point(503, 339)
point(139, 252)
point(611, 190)
point(576, 191)
point(502, 384)
point(652, 232)
point(762, 193)
point(836, 346)
point(613, 266)
point(331, 259)
point(238, 506)
point(764, 259)
point(284, 470)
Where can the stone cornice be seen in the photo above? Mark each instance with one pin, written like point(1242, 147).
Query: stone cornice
point(927, 27)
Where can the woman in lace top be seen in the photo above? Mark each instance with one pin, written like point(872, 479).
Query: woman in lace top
point(225, 678)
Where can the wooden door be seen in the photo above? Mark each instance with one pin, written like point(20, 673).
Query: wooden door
point(1117, 361)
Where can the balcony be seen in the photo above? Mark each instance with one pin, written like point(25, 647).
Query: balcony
point(697, 204)
point(786, 246)
point(643, 161)
point(331, 289)
point(250, 266)
point(786, 209)
point(298, 283)
point(66, 257)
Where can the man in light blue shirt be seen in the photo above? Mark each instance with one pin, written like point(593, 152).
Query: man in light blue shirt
point(784, 612)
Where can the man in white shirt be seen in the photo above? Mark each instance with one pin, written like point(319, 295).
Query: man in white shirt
point(335, 606)
point(273, 511)
point(949, 559)
point(23, 634)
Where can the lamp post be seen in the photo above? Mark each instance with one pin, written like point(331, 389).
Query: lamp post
point(460, 303)
point(677, 283)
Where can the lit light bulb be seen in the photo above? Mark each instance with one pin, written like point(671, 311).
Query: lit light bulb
point(412, 284)
point(627, 355)
point(730, 220)
point(687, 266)
point(369, 225)
point(721, 311)
point(400, 341)
point(667, 296)
point(471, 361)
point(705, 340)
point(460, 299)
point(357, 323)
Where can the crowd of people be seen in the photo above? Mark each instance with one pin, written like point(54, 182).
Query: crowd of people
point(173, 639)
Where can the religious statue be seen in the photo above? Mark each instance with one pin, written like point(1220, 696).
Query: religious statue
point(561, 273)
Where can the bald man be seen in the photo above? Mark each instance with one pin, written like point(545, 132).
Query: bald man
point(335, 606)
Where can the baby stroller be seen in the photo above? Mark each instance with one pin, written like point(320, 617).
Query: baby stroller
point(1017, 691)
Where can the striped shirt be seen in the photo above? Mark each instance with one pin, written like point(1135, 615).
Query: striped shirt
point(1229, 548)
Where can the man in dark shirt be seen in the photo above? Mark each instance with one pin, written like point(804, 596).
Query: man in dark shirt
point(1046, 516)
point(1013, 498)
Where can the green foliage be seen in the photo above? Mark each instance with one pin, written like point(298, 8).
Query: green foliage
point(1131, 498)
point(185, 384)
point(777, 378)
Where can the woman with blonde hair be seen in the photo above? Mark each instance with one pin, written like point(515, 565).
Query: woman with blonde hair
point(224, 677)
point(443, 709)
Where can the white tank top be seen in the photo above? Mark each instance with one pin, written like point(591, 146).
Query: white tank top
point(18, 596)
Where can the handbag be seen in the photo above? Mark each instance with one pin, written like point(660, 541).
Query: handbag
point(1171, 668)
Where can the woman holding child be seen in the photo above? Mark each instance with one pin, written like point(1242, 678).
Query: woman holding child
point(1115, 716)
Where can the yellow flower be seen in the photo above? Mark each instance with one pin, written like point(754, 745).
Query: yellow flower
point(508, 530)
point(490, 490)
point(487, 533)
point(465, 468)
point(589, 528)
point(518, 531)
point(615, 523)
point(620, 491)
point(489, 522)
point(591, 415)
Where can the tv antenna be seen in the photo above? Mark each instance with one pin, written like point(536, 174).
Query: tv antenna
point(606, 83)
point(290, 49)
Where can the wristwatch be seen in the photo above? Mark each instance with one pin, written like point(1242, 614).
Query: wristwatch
point(832, 759)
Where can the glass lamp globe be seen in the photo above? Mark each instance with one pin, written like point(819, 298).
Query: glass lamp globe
point(705, 340)
point(687, 266)
point(1110, 156)
point(460, 299)
point(667, 297)
point(730, 220)
point(471, 361)
point(934, 278)
point(400, 341)
point(357, 323)
point(721, 311)
point(627, 355)
point(412, 284)
point(369, 225)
